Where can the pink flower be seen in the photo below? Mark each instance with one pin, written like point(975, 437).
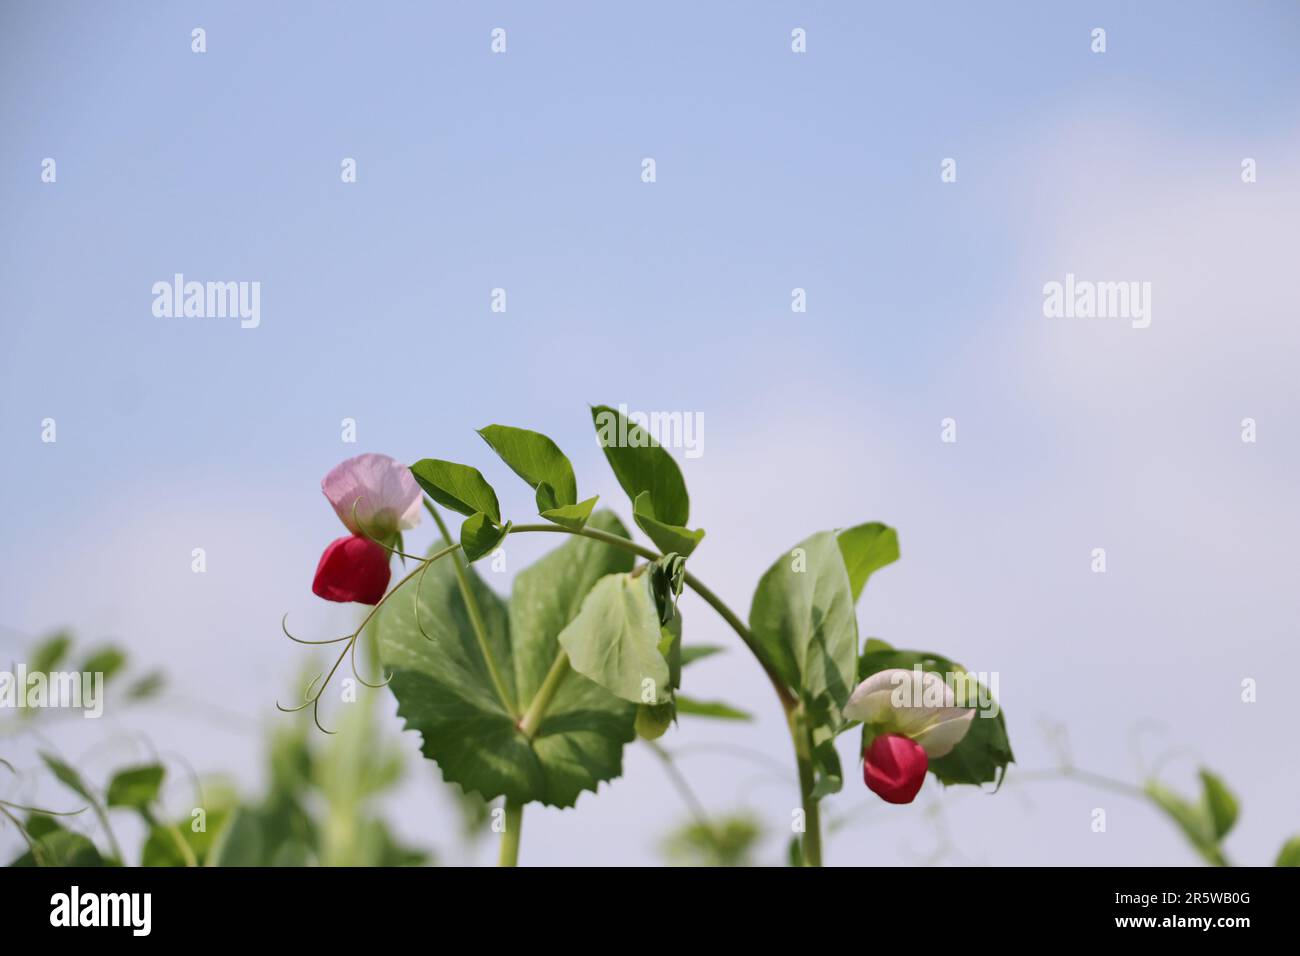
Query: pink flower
point(352, 569)
point(895, 768)
point(382, 491)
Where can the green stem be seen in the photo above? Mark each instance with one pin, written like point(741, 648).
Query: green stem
point(683, 787)
point(532, 718)
point(475, 618)
point(108, 830)
point(510, 837)
point(812, 836)
point(187, 854)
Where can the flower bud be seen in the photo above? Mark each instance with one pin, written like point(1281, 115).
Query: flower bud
point(652, 720)
point(352, 569)
point(895, 768)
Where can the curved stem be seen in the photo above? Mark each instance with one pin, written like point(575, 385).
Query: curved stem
point(683, 787)
point(532, 718)
point(812, 834)
point(1098, 780)
point(510, 836)
point(475, 617)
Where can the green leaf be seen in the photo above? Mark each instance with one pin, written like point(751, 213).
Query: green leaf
point(641, 465)
point(667, 575)
point(1204, 824)
point(160, 848)
point(804, 624)
point(670, 646)
point(867, 548)
point(731, 840)
point(105, 660)
point(69, 777)
point(536, 459)
point(710, 708)
point(135, 787)
point(653, 720)
point(667, 537)
point(48, 654)
point(794, 852)
point(60, 847)
point(444, 691)
point(615, 638)
point(479, 536)
point(1289, 855)
point(458, 487)
point(570, 516)
point(241, 841)
point(150, 685)
point(1220, 803)
point(828, 776)
point(983, 754)
point(697, 652)
point(1193, 819)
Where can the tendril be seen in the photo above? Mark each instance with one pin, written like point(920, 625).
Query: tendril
point(419, 584)
point(357, 675)
point(366, 534)
point(316, 689)
point(284, 626)
point(48, 813)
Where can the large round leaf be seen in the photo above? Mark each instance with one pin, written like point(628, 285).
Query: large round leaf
point(445, 691)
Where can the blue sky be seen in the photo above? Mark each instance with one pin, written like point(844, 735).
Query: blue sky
point(774, 171)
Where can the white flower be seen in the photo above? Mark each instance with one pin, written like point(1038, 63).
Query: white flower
point(915, 704)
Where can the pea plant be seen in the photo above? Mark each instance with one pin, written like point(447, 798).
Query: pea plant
point(532, 699)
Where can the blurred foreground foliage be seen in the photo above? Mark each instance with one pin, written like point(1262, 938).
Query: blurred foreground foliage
point(320, 806)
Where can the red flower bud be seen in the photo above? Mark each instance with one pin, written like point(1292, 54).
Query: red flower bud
point(352, 569)
point(895, 768)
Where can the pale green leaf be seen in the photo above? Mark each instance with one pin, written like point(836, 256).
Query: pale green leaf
point(804, 624)
point(615, 638)
point(867, 548)
point(710, 708)
point(1220, 803)
point(1289, 855)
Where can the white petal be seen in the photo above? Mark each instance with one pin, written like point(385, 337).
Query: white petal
point(871, 700)
point(947, 732)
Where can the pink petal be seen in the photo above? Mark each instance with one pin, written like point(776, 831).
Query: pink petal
point(381, 490)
